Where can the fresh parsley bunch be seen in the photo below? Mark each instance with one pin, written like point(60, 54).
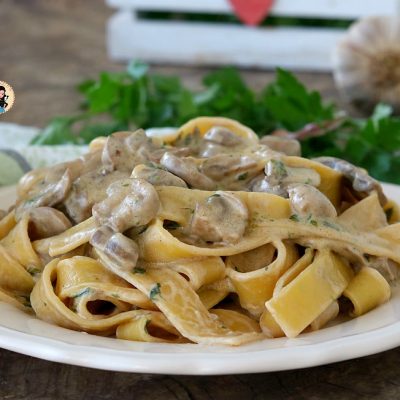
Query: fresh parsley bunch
point(134, 98)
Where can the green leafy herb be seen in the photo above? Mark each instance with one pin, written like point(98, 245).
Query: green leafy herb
point(33, 270)
point(311, 221)
point(136, 98)
point(26, 301)
point(331, 225)
point(82, 293)
point(243, 177)
point(294, 217)
point(292, 105)
point(115, 295)
point(155, 291)
point(279, 169)
point(139, 270)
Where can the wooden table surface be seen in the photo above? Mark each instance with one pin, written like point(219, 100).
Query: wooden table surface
point(47, 48)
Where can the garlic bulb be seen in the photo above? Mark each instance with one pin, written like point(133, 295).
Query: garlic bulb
point(367, 63)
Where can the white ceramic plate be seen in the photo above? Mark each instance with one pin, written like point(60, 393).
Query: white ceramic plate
point(374, 332)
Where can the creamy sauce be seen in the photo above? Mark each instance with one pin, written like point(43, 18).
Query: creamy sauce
point(115, 182)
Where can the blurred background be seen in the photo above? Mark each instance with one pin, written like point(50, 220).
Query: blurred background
point(82, 69)
point(48, 47)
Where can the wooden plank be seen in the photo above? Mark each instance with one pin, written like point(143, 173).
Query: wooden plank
point(309, 8)
point(195, 43)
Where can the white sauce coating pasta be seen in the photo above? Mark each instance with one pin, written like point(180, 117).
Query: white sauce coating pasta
point(207, 236)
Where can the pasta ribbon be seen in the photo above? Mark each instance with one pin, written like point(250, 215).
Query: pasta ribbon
point(205, 235)
point(182, 306)
point(367, 290)
point(153, 327)
point(65, 309)
point(310, 293)
point(254, 288)
point(204, 124)
point(331, 180)
point(19, 245)
point(7, 223)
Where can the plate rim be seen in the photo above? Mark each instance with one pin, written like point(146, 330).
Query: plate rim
point(200, 364)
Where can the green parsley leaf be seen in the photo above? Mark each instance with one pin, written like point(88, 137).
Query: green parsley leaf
point(135, 98)
point(243, 177)
point(139, 270)
point(82, 293)
point(155, 291)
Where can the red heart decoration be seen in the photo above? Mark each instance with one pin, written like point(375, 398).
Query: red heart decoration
point(251, 12)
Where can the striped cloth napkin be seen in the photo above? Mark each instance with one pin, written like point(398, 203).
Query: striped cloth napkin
point(17, 156)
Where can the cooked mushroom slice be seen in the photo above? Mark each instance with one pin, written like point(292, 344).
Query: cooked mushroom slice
point(88, 189)
point(276, 173)
point(219, 140)
point(157, 176)
point(260, 184)
point(123, 150)
point(37, 179)
point(130, 202)
point(156, 155)
point(186, 169)
point(279, 176)
point(265, 153)
point(120, 249)
point(209, 149)
point(222, 165)
point(290, 147)
point(307, 200)
point(223, 136)
point(388, 268)
point(361, 181)
point(52, 189)
point(221, 218)
point(45, 222)
point(91, 161)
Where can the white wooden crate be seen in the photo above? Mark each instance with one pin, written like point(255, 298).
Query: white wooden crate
point(205, 43)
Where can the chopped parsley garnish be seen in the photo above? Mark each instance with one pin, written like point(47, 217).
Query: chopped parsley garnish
point(155, 291)
point(26, 301)
point(142, 229)
point(243, 176)
point(311, 221)
point(294, 217)
point(331, 225)
point(115, 295)
point(279, 168)
point(82, 293)
point(138, 270)
point(33, 270)
point(156, 166)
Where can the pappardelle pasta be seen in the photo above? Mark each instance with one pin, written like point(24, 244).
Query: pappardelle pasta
point(206, 235)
